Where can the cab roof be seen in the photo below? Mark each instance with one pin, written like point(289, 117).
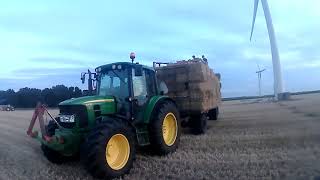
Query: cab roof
point(124, 64)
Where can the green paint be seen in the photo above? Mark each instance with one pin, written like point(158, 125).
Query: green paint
point(142, 126)
point(152, 103)
point(88, 100)
point(73, 137)
point(71, 143)
point(107, 105)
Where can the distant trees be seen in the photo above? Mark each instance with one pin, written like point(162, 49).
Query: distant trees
point(28, 97)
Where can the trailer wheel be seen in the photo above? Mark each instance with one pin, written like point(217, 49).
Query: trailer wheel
point(213, 114)
point(165, 129)
point(52, 155)
point(199, 124)
point(109, 149)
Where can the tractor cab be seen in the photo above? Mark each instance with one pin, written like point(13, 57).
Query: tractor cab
point(131, 84)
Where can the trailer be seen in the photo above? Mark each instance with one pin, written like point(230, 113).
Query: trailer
point(194, 87)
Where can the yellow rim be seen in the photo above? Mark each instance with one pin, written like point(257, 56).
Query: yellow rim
point(117, 151)
point(169, 129)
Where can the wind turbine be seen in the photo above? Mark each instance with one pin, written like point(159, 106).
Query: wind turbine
point(259, 72)
point(278, 86)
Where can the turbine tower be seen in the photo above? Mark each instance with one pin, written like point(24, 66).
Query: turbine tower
point(278, 86)
point(259, 72)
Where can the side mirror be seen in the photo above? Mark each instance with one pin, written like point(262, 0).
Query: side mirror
point(138, 70)
point(83, 78)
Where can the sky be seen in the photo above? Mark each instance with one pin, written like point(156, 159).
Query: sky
point(45, 43)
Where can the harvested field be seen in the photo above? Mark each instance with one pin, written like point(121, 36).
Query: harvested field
point(251, 140)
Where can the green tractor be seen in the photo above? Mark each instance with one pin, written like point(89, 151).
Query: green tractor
point(128, 110)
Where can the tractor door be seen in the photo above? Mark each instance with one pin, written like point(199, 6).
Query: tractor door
point(144, 87)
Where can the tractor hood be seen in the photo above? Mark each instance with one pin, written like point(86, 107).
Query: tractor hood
point(88, 100)
point(107, 104)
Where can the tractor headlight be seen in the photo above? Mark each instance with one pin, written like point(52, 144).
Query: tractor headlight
point(67, 118)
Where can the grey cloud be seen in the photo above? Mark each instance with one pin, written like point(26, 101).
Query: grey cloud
point(42, 82)
point(100, 33)
point(40, 72)
point(59, 60)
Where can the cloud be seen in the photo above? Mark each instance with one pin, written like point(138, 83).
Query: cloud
point(57, 60)
point(59, 39)
point(256, 54)
point(48, 71)
point(310, 64)
point(42, 78)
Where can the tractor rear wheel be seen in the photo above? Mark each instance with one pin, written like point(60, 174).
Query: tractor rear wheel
point(109, 149)
point(165, 129)
point(52, 155)
point(199, 124)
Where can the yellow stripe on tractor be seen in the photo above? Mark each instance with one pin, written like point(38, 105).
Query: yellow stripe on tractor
point(100, 100)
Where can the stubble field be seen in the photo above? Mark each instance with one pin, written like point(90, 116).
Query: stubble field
point(251, 140)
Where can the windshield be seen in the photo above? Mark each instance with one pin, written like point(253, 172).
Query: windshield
point(114, 82)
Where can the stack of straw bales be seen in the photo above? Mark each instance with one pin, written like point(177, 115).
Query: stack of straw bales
point(192, 84)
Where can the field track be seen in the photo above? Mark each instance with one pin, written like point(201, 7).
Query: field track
point(251, 140)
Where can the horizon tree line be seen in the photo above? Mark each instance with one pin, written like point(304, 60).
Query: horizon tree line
point(28, 97)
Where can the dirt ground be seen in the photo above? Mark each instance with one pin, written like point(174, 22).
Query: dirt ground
point(251, 140)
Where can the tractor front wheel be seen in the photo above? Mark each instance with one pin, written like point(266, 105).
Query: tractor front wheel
point(165, 129)
point(109, 149)
point(52, 155)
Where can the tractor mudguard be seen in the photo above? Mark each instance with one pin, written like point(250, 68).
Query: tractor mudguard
point(154, 101)
point(142, 128)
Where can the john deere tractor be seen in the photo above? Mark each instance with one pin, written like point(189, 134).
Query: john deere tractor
point(128, 110)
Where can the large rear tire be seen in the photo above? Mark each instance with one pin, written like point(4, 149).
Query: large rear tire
point(165, 129)
point(109, 150)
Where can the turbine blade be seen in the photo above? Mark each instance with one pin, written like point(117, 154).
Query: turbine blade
point(256, 3)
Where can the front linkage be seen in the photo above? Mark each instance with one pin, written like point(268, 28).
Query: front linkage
point(38, 114)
